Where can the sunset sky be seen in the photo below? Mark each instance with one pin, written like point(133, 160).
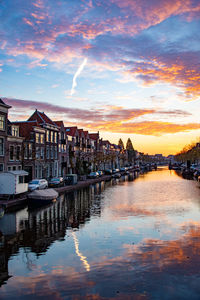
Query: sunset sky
point(124, 67)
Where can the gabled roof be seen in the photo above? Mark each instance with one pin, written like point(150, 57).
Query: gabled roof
point(59, 124)
point(86, 133)
point(71, 130)
point(41, 118)
point(4, 104)
point(105, 142)
point(94, 136)
point(80, 132)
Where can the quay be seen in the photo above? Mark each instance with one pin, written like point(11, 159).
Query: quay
point(82, 184)
point(9, 204)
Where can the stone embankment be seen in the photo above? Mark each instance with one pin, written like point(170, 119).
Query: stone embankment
point(22, 199)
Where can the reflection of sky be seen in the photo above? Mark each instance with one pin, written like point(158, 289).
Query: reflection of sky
point(145, 242)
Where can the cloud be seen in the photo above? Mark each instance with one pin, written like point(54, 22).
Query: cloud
point(147, 41)
point(109, 118)
point(154, 128)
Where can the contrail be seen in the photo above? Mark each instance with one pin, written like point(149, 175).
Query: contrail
point(78, 72)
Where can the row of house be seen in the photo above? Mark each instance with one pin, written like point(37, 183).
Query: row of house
point(47, 148)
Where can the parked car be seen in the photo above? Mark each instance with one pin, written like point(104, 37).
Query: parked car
point(116, 175)
point(115, 171)
point(56, 181)
point(93, 175)
point(70, 179)
point(108, 172)
point(100, 173)
point(123, 169)
point(37, 184)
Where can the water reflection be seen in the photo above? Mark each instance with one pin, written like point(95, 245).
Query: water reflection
point(121, 239)
point(82, 257)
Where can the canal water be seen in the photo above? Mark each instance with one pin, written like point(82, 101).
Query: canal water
point(124, 239)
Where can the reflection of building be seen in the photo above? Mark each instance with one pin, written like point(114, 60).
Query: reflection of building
point(11, 226)
point(12, 223)
point(37, 229)
point(4, 276)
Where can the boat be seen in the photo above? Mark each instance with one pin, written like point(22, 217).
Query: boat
point(42, 197)
point(116, 175)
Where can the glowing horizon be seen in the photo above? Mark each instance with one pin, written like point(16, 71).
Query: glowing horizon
point(143, 67)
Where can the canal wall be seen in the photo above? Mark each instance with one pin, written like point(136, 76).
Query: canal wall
point(23, 200)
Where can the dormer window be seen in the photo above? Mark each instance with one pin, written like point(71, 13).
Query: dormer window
point(15, 131)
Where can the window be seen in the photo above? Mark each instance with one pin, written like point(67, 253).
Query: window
point(9, 168)
point(30, 150)
point(37, 156)
point(36, 172)
point(37, 138)
point(52, 152)
point(21, 179)
point(18, 150)
point(47, 136)
point(2, 122)
point(47, 152)
point(1, 146)
point(15, 131)
point(11, 153)
point(26, 151)
point(52, 137)
point(42, 153)
point(42, 138)
point(1, 167)
point(19, 167)
point(55, 152)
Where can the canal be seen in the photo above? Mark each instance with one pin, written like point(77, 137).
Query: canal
point(124, 239)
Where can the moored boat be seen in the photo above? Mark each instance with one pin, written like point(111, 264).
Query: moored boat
point(42, 197)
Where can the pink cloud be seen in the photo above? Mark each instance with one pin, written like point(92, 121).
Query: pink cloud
point(112, 119)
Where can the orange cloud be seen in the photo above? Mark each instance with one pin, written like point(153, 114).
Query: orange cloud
point(155, 128)
point(179, 74)
point(112, 119)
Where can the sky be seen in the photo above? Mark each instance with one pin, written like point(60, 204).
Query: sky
point(125, 68)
